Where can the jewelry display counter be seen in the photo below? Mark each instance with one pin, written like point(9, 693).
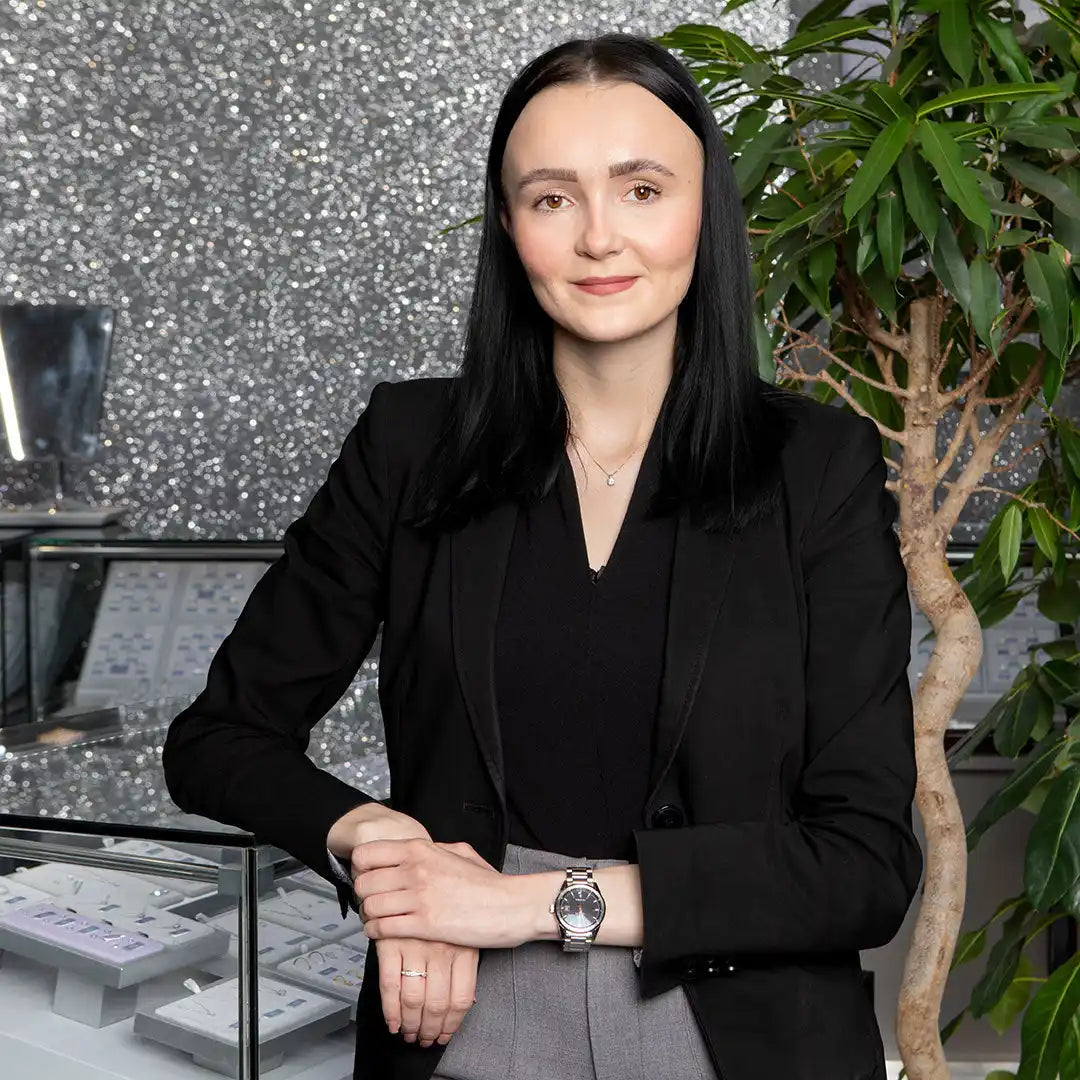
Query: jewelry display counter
point(139, 941)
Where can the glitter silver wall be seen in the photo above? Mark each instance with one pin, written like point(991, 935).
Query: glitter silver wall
point(257, 188)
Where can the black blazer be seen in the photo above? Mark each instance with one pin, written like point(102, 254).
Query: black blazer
point(777, 838)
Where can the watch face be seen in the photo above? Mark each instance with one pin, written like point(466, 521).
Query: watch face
point(580, 908)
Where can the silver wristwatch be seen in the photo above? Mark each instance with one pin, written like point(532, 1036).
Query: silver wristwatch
point(578, 909)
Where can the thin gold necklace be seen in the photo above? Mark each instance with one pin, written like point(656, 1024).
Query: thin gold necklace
point(610, 475)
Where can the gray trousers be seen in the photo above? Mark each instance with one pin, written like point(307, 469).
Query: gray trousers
point(545, 1014)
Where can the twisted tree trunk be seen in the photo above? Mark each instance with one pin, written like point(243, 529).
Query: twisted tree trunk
point(952, 666)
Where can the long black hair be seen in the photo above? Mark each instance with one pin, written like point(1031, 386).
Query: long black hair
point(506, 425)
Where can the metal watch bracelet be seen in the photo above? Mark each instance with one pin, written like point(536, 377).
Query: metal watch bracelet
point(576, 940)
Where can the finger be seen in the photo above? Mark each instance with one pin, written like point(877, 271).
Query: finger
point(383, 904)
point(385, 879)
point(390, 965)
point(376, 853)
point(413, 990)
point(462, 990)
point(437, 999)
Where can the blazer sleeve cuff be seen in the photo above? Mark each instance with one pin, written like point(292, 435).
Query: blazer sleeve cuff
point(340, 870)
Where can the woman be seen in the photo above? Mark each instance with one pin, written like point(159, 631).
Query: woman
point(646, 630)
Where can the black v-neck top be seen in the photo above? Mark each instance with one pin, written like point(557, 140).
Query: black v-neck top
point(578, 660)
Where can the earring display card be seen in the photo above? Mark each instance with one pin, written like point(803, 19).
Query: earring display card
point(308, 879)
point(14, 893)
point(311, 914)
point(207, 1024)
point(65, 882)
point(158, 624)
point(275, 943)
point(76, 933)
point(94, 885)
point(148, 849)
point(173, 931)
point(333, 969)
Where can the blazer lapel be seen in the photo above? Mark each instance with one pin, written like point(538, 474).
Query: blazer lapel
point(479, 552)
point(700, 570)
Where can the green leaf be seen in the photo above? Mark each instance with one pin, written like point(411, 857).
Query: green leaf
point(969, 946)
point(836, 30)
point(1070, 1047)
point(984, 93)
point(765, 358)
point(879, 159)
point(913, 72)
point(919, 197)
point(1038, 137)
point(1019, 721)
point(1062, 17)
point(757, 155)
point(958, 183)
point(985, 300)
point(1012, 237)
point(954, 37)
point(892, 101)
point(1066, 225)
point(1001, 964)
point(867, 253)
point(949, 265)
point(821, 12)
point(1059, 601)
point(822, 269)
point(1012, 527)
point(1047, 1020)
point(1060, 679)
point(1046, 533)
point(890, 230)
point(1002, 41)
point(1046, 281)
point(1052, 861)
point(1038, 180)
point(1015, 789)
point(1069, 441)
point(1011, 1004)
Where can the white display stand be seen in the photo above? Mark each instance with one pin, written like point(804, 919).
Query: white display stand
point(36, 1044)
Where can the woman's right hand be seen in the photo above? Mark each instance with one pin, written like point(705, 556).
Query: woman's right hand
point(428, 1009)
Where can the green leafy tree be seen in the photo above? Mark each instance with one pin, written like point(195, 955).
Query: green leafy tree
point(915, 230)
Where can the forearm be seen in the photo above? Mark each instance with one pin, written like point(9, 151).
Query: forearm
point(621, 889)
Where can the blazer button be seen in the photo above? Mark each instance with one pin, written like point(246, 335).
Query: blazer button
point(719, 966)
point(668, 816)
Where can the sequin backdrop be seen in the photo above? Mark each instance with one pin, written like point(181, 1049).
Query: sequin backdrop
point(257, 188)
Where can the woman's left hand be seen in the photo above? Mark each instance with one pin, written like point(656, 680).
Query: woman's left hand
point(441, 892)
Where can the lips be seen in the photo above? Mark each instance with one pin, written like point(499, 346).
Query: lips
point(605, 285)
point(604, 280)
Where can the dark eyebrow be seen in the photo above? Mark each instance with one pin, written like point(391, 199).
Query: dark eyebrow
point(620, 168)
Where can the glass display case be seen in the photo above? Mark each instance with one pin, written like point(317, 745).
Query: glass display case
point(116, 618)
point(139, 941)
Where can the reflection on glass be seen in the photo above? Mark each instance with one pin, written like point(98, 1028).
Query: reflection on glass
point(53, 361)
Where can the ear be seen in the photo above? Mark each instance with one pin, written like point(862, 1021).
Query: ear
point(505, 219)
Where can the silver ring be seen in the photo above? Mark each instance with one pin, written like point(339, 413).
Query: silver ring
point(406, 971)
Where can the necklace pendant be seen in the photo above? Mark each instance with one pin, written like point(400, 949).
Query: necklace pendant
point(611, 481)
